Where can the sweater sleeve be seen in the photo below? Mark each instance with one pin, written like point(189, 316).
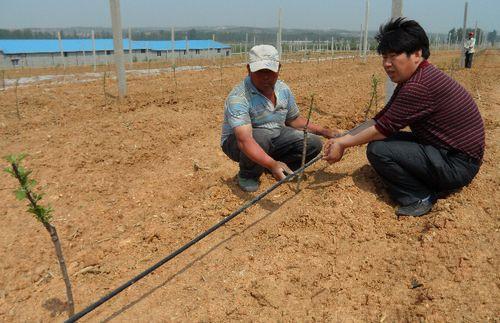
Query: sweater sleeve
point(412, 104)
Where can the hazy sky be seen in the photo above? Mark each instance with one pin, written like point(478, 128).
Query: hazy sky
point(434, 15)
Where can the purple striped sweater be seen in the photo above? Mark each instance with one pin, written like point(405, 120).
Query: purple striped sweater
point(438, 110)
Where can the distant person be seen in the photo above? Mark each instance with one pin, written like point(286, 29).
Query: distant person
point(469, 50)
point(262, 128)
point(444, 149)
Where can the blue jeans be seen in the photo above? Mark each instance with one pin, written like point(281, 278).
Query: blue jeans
point(283, 144)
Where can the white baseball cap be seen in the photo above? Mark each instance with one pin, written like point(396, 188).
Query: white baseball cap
point(263, 57)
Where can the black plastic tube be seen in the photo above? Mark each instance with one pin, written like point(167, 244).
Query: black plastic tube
point(129, 283)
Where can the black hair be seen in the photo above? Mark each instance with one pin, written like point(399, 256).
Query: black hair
point(401, 35)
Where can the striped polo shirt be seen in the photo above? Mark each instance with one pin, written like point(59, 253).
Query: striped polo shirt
point(246, 105)
point(438, 110)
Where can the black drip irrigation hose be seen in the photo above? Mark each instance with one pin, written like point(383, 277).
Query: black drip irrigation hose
point(129, 283)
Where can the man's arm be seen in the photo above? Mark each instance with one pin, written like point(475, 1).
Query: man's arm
point(254, 151)
point(300, 122)
point(366, 132)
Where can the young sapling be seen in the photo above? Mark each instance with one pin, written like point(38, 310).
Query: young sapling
point(41, 213)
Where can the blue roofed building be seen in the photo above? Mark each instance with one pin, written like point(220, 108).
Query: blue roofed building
point(51, 52)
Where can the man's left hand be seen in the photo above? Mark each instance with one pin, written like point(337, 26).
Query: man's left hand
point(333, 151)
point(330, 133)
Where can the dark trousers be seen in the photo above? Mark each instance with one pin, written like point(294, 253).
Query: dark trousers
point(413, 171)
point(283, 144)
point(468, 60)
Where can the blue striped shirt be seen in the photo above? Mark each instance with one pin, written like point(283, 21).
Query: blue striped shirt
point(246, 105)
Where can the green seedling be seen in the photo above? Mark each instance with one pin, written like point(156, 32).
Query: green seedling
point(304, 146)
point(374, 96)
point(41, 213)
point(17, 100)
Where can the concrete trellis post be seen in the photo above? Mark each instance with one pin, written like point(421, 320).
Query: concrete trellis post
point(278, 36)
point(130, 46)
point(396, 11)
point(332, 48)
point(172, 39)
point(61, 49)
point(93, 51)
point(246, 43)
point(464, 37)
point(365, 41)
point(116, 23)
point(361, 41)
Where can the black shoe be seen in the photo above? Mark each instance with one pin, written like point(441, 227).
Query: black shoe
point(417, 208)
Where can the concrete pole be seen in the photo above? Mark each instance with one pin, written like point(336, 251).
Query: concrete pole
point(61, 49)
point(254, 40)
point(278, 42)
point(361, 41)
point(172, 42)
point(83, 51)
point(365, 42)
point(475, 34)
point(332, 47)
point(464, 36)
point(130, 45)
point(396, 11)
point(93, 50)
point(116, 22)
point(246, 43)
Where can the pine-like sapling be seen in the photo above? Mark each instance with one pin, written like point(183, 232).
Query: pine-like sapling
point(41, 213)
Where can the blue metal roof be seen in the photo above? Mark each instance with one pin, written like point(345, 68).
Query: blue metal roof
point(29, 46)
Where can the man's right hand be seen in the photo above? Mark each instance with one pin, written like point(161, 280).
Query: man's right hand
point(280, 170)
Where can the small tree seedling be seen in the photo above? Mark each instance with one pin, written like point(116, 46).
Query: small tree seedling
point(304, 146)
point(104, 89)
point(41, 213)
point(17, 100)
point(374, 96)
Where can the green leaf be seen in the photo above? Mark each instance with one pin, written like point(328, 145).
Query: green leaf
point(9, 170)
point(10, 158)
point(31, 183)
point(20, 194)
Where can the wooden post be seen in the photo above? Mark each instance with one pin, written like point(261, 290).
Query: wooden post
point(116, 22)
point(61, 49)
point(93, 50)
point(365, 41)
point(397, 11)
point(464, 37)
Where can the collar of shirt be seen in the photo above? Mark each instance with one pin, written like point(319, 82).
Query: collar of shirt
point(255, 91)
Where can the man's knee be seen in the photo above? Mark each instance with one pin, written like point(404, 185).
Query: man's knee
point(380, 154)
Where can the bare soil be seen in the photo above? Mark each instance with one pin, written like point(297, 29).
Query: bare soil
point(132, 181)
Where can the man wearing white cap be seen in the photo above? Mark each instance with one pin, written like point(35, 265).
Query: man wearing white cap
point(262, 127)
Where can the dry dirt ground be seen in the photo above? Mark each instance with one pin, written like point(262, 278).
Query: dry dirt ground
point(130, 182)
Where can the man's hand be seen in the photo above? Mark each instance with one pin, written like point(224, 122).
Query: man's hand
point(330, 133)
point(333, 151)
point(280, 170)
